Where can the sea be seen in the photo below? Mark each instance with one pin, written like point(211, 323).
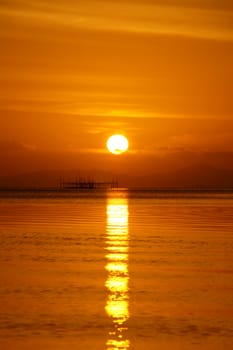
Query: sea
point(120, 269)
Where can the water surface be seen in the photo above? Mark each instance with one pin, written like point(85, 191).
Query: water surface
point(116, 270)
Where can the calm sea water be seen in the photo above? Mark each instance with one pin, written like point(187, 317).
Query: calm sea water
point(116, 270)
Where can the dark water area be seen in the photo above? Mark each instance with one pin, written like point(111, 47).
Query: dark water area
point(116, 269)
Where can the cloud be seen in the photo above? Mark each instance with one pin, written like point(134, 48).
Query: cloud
point(203, 142)
point(145, 18)
point(82, 59)
point(12, 146)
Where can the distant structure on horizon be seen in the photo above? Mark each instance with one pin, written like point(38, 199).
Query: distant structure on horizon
point(86, 184)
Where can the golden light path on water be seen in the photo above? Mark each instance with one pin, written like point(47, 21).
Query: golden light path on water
point(117, 304)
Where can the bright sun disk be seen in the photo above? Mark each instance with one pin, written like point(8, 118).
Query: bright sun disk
point(117, 144)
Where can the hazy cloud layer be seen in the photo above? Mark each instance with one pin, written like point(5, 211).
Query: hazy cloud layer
point(136, 17)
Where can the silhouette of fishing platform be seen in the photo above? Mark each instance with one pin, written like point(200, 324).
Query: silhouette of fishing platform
point(83, 184)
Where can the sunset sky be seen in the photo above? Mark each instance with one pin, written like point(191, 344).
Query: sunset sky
point(72, 73)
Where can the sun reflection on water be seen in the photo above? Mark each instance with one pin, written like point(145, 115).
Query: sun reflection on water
point(117, 305)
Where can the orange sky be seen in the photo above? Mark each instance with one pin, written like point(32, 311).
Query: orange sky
point(74, 72)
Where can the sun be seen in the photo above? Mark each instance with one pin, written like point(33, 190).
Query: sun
point(117, 144)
